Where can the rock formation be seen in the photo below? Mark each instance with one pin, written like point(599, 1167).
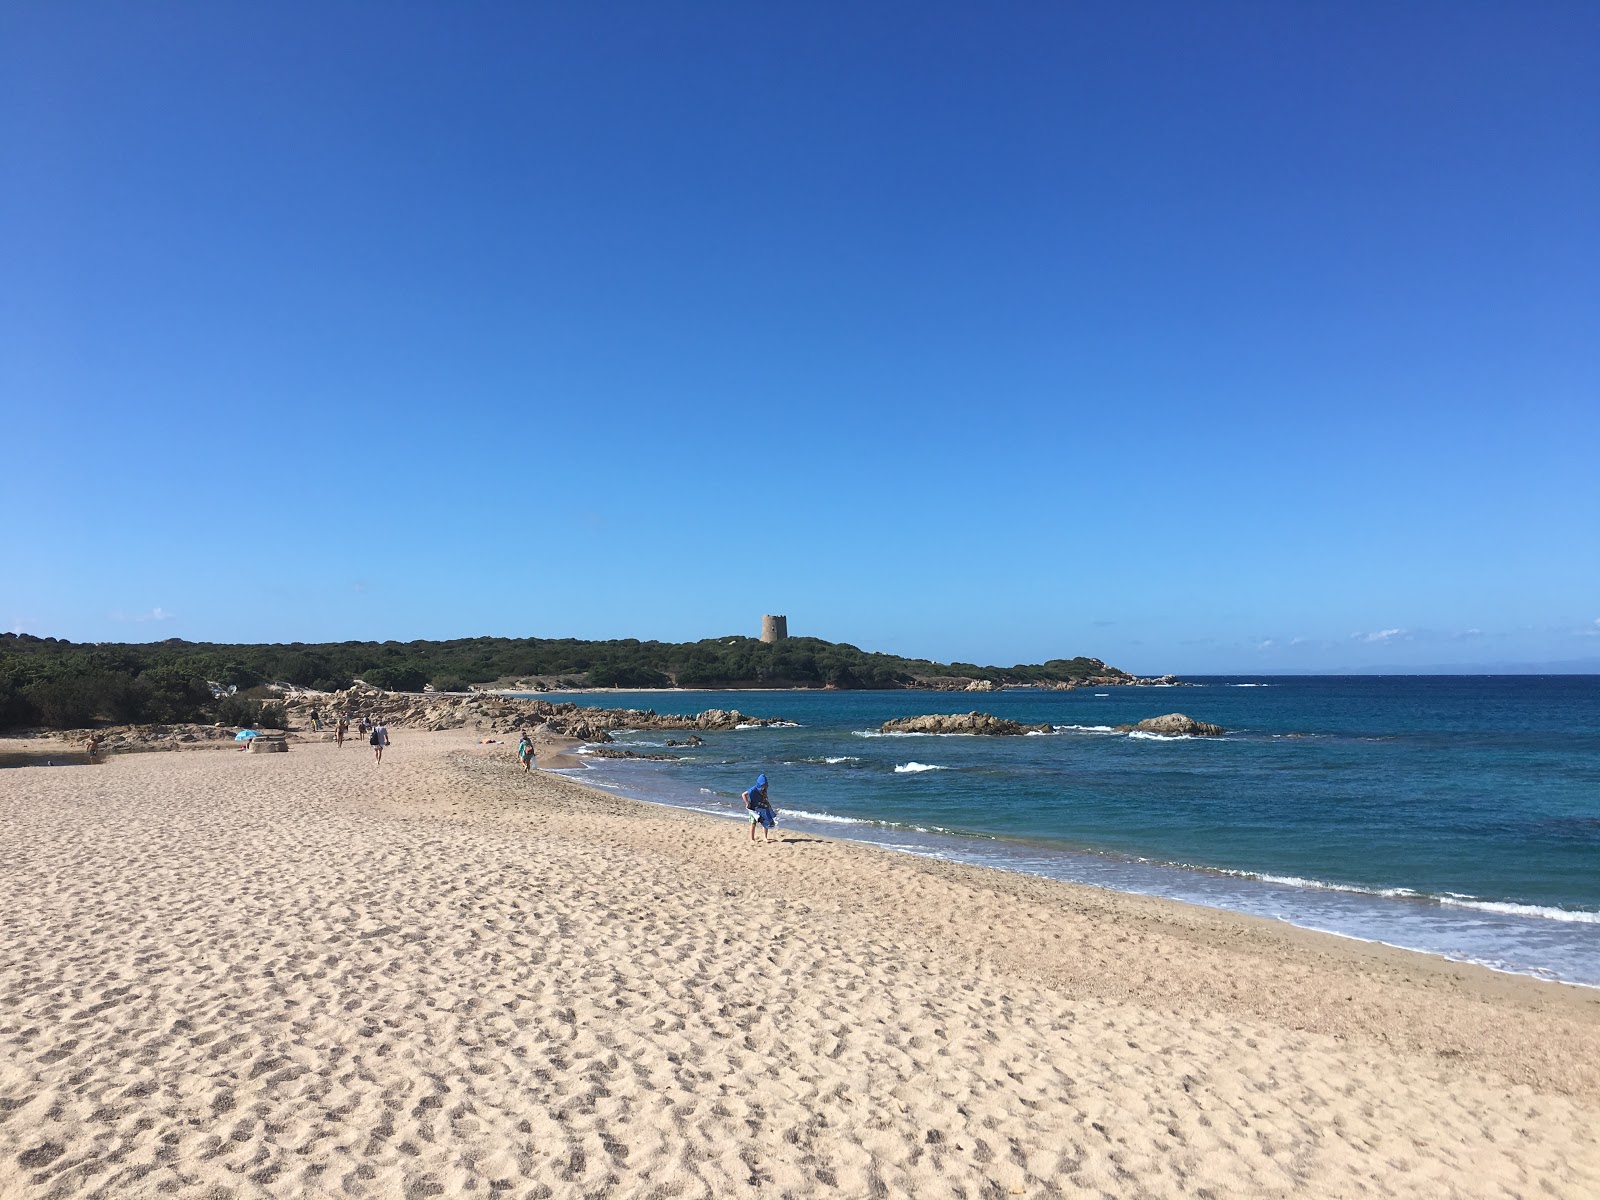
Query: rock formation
point(507, 714)
point(1174, 725)
point(973, 722)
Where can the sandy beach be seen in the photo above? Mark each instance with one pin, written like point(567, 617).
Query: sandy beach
point(231, 975)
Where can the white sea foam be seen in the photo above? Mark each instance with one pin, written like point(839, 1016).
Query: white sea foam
point(914, 768)
point(768, 725)
point(829, 817)
point(1102, 695)
point(1450, 900)
point(1544, 912)
point(899, 733)
point(841, 758)
point(1146, 736)
point(1084, 729)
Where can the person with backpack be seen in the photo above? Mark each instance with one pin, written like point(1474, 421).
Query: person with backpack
point(378, 739)
point(760, 808)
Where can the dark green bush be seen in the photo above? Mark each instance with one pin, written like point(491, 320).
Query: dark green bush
point(168, 696)
point(396, 679)
point(449, 683)
point(16, 709)
point(240, 676)
point(239, 711)
point(69, 702)
point(273, 716)
point(623, 674)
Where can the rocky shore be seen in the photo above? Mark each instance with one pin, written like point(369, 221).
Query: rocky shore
point(988, 725)
point(492, 713)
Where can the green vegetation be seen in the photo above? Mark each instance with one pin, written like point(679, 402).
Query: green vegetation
point(44, 681)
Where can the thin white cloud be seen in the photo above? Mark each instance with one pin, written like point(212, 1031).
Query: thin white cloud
point(1382, 635)
point(1592, 630)
point(155, 614)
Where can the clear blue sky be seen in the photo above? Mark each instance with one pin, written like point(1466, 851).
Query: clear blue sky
point(1222, 336)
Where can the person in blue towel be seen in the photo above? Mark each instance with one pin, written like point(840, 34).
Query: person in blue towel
point(761, 811)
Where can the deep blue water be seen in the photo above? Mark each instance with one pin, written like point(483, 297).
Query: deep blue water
point(1453, 814)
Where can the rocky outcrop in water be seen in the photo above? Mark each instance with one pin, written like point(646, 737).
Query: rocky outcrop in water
point(508, 714)
point(982, 723)
point(1174, 725)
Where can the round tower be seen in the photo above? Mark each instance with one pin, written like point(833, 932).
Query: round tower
point(774, 629)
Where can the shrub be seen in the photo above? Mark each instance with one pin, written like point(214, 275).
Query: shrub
point(273, 716)
point(68, 702)
point(170, 695)
point(239, 676)
point(396, 679)
point(16, 709)
point(612, 674)
point(449, 683)
point(238, 711)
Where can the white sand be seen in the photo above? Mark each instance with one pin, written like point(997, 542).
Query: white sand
point(302, 975)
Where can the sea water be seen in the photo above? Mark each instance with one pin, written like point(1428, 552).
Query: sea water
point(1455, 815)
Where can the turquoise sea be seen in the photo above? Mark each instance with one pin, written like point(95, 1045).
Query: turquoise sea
point(1458, 815)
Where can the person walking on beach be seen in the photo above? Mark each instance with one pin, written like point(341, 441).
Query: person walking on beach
point(761, 811)
point(339, 730)
point(378, 739)
point(525, 752)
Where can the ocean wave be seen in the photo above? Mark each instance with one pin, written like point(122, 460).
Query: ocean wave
point(1145, 736)
point(1542, 911)
point(770, 725)
point(1249, 685)
point(1449, 900)
point(828, 817)
point(916, 768)
point(1323, 885)
point(1084, 729)
point(900, 733)
point(840, 758)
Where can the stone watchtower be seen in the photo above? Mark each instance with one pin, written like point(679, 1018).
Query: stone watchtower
point(773, 629)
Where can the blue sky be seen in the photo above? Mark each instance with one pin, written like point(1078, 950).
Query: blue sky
point(1225, 337)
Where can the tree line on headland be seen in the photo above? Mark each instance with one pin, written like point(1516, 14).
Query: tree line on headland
point(65, 685)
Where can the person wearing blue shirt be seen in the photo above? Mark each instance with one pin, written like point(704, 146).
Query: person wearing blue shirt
point(761, 811)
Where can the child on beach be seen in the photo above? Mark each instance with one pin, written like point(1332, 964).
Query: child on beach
point(378, 739)
point(761, 810)
point(525, 752)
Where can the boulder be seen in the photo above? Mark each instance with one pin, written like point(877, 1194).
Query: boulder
point(974, 722)
point(1174, 725)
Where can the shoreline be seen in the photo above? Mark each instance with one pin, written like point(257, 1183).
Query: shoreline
point(965, 849)
point(306, 974)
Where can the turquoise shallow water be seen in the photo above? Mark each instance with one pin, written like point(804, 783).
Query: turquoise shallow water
point(1457, 815)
